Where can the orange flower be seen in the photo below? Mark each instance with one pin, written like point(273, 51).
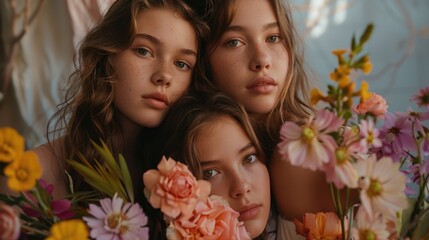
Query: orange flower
point(320, 226)
point(9, 223)
point(375, 105)
point(11, 144)
point(174, 189)
point(23, 172)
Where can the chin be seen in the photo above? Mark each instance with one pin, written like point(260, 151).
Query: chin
point(254, 228)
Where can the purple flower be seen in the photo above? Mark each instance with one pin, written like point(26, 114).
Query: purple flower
point(397, 136)
point(116, 221)
point(422, 97)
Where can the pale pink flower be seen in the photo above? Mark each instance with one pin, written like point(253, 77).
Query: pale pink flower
point(370, 134)
point(422, 97)
point(320, 226)
point(310, 145)
point(9, 223)
point(115, 220)
point(211, 219)
point(375, 105)
point(382, 186)
point(369, 227)
point(340, 171)
point(174, 189)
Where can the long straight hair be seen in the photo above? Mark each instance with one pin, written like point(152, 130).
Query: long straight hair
point(293, 102)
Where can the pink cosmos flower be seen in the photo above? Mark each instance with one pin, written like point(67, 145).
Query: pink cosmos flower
point(320, 226)
point(369, 134)
point(340, 171)
point(9, 223)
point(397, 135)
point(211, 219)
point(117, 221)
point(382, 186)
point(310, 145)
point(174, 189)
point(375, 105)
point(368, 227)
point(422, 97)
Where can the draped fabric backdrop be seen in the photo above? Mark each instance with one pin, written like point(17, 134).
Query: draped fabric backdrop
point(399, 49)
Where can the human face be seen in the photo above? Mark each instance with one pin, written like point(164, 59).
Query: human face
point(250, 63)
point(156, 69)
point(230, 162)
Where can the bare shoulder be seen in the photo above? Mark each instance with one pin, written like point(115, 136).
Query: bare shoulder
point(295, 189)
point(52, 160)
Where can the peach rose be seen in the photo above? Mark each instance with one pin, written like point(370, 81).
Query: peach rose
point(320, 226)
point(174, 189)
point(212, 219)
point(9, 223)
point(375, 104)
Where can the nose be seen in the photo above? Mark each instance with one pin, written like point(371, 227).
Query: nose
point(260, 60)
point(162, 76)
point(240, 186)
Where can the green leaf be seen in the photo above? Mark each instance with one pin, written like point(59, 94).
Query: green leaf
point(106, 175)
point(107, 156)
point(367, 34)
point(353, 44)
point(126, 177)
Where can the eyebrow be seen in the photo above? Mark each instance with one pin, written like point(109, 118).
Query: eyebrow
point(241, 150)
point(238, 28)
point(156, 41)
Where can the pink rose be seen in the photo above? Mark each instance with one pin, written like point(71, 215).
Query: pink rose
point(375, 104)
point(174, 189)
point(212, 219)
point(9, 223)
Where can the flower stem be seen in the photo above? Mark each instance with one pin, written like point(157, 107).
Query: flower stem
point(28, 229)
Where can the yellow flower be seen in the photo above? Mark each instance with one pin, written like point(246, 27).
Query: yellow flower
point(339, 52)
point(11, 144)
point(367, 67)
point(69, 230)
point(364, 93)
point(316, 96)
point(341, 75)
point(23, 172)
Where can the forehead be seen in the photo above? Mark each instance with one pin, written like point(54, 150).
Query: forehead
point(219, 135)
point(168, 24)
point(248, 12)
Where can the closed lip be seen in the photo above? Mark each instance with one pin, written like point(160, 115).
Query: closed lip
point(249, 211)
point(261, 81)
point(158, 96)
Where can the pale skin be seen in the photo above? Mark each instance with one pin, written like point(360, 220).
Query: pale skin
point(250, 64)
point(151, 74)
point(230, 163)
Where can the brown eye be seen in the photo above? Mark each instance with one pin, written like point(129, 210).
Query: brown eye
point(233, 43)
point(209, 173)
point(251, 158)
point(273, 39)
point(143, 52)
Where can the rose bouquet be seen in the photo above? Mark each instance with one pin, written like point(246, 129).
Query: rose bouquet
point(361, 147)
point(187, 207)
